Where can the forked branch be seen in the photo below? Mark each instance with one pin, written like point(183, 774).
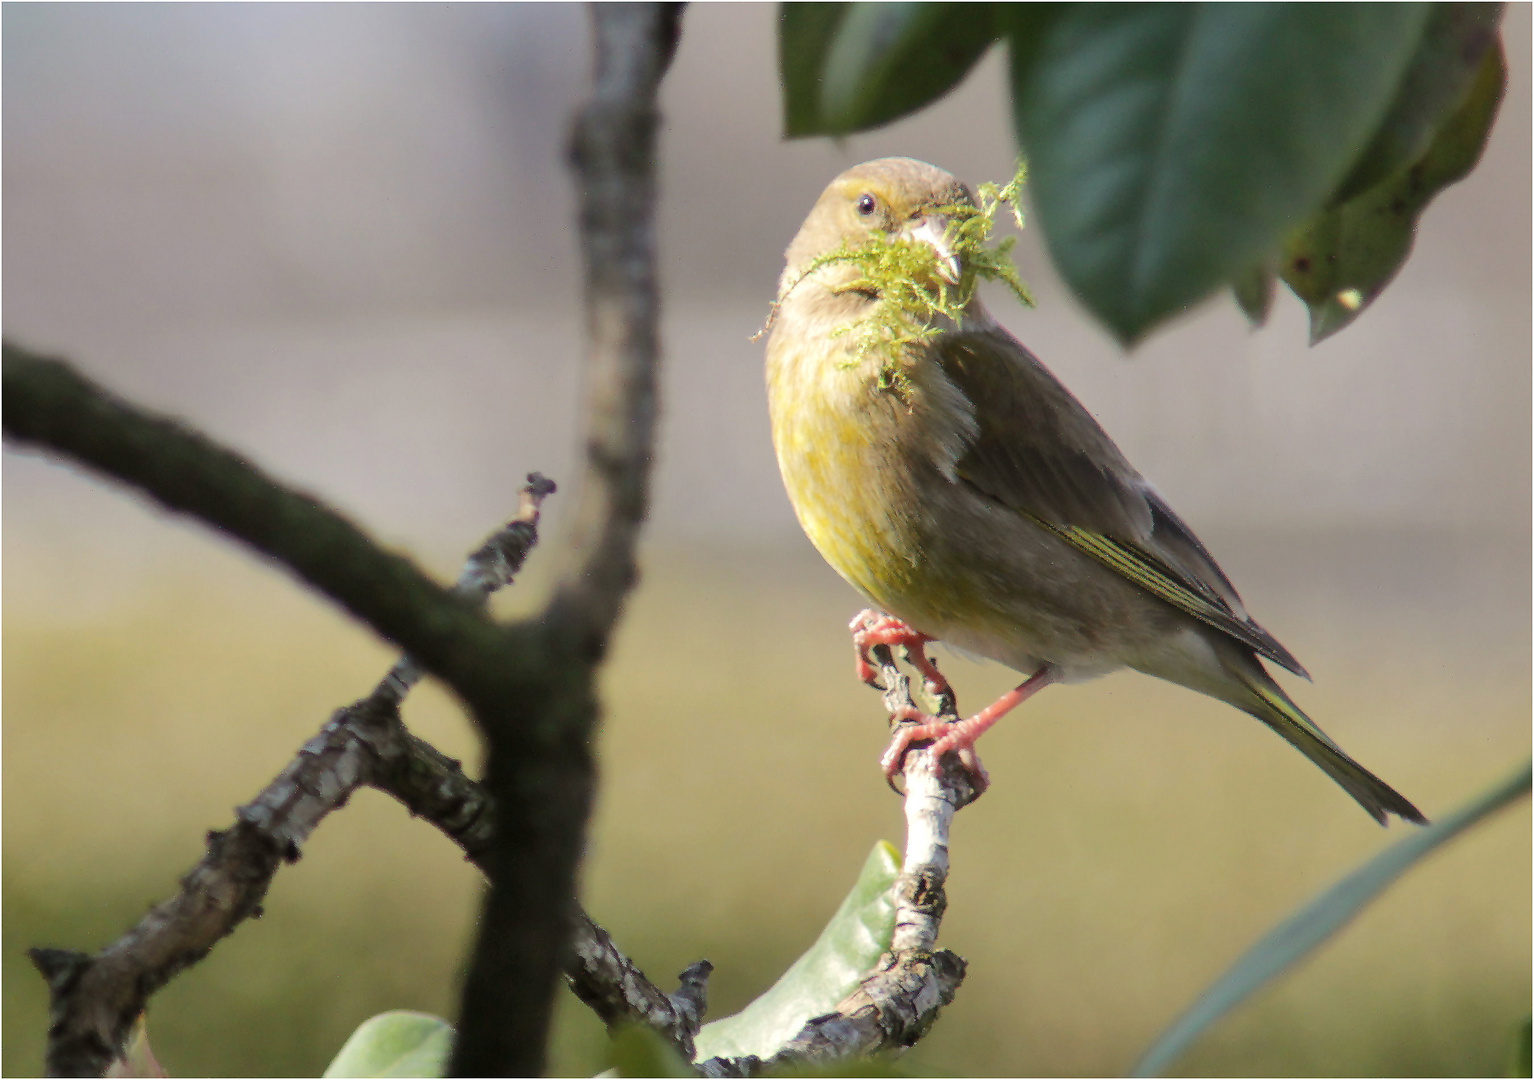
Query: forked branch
point(899, 1001)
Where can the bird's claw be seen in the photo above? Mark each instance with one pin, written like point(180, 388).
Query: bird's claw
point(944, 736)
point(872, 628)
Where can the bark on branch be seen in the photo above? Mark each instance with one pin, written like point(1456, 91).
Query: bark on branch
point(613, 151)
point(542, 801)
point(530, 686)
point(899, 1001)
point(95, 999)
point(51, 406)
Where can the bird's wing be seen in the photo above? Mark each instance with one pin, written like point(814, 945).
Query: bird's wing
point(1038, 452)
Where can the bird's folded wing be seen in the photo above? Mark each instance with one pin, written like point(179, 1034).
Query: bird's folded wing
point(1038, 452)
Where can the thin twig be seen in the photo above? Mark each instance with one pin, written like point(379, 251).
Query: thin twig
point(899, 1001)
point(49, 405)
point(490, 568)
point(618, 992)
point(543, 803)
point(613, 152)
point(433, 786)
point(95, 999)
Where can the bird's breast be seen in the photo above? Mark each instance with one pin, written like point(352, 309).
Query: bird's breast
point(834, 430)
point(872, 472)
point(864, 463)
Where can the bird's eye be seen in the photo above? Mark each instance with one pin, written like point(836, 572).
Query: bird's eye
point(866, 204)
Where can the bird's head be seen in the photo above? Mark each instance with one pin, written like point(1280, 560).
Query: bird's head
point(900, 198)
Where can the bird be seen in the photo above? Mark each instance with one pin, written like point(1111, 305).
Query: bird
point(957, 484)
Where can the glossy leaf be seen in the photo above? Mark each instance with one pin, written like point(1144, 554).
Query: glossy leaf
point(805, 33)
point(1172, 146)
point(396, 1044)
point(1521, 1061)
point(1342, 260)
point(640, 1051)
point(846, 951)
point(1297, 936)
point(1454, 43)
point(848, 67)
point(1253, 290)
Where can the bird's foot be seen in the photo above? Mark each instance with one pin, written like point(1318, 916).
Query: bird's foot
point(872, 628)
point(958, 736)
point(945, 736)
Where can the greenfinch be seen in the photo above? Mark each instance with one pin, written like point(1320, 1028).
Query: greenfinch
point(957, 484)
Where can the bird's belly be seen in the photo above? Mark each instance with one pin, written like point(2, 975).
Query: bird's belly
point(875, 498)
point(842, 495)
point(1025, 599)
point(934, 553)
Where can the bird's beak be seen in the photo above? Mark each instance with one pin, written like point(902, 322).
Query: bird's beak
point(932, 230)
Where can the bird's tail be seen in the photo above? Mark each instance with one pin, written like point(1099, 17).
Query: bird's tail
point(1268, 703)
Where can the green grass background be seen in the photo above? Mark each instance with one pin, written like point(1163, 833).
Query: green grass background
point(1136, 840)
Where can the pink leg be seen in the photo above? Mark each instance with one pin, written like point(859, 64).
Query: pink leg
point(870, 628)
point(959, 736)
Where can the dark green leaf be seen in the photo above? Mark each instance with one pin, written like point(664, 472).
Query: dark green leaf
point(1521, 1062)
point(1454, 42)
point(866, 64)
point(1173, 146)
point(639, 1051)
point(857, 935)
point(1342, 260)
point(1253, 290)
point(1295, 937)
point(396, 1044)
point(805, 32)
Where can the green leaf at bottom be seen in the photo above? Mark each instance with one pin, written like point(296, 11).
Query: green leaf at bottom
point(1295, 937)
point(1522, 1058)
point(396, 1044)
point(640, 1051)
point(857, 935)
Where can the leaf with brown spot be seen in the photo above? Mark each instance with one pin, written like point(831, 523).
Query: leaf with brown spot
point(1455, 41)
point(1343, 259)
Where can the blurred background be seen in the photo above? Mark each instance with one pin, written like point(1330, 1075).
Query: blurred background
point(338, 239)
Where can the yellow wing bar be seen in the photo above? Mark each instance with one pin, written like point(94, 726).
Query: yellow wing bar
point(1136, 567)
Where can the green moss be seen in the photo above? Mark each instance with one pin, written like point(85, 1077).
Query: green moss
point(905, 275)
point(971, 232)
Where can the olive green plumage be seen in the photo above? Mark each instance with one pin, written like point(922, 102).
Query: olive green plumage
point(961, 488)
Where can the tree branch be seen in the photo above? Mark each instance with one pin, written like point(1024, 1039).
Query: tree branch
point(543, 801)
point(49, 405)
point(433, 786)
point(94, 1000)
point(613, 152)
point(530, 687)
point(897, 1004)
point(490, 568)
point(618, 992)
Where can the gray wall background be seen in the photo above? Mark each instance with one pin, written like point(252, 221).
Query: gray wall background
point(338, 237)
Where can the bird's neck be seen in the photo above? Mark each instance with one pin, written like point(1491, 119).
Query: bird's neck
point(829, 300)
